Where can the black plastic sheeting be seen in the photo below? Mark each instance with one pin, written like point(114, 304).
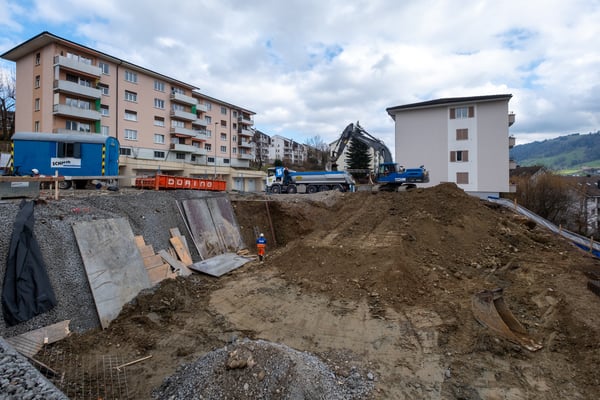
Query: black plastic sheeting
point(26, 291)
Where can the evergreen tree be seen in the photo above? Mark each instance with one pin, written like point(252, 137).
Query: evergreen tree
point(358, 156)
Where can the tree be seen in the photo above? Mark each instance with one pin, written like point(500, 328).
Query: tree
point(7, 103)
point(318, 151)
point(547, 195)
point(358, 157)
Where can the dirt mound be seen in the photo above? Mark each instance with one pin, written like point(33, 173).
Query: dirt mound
point(369, 282)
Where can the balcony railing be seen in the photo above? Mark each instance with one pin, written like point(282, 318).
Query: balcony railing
point(77, 65)
point(246, 144)
point(245, 120)
point(187, 148)
point(511, 119)
point(244, 156)
point(182, 98)
point(182, 131)
point(188, 116)
point(511, 142)
point(512, 164)
point(75, 88)
point(200, 122)
point(81, 113)
point(245, 132)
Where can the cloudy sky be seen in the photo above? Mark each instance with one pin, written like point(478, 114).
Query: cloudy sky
point(309, 68)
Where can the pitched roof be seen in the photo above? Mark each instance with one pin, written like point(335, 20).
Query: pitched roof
point(448, 101)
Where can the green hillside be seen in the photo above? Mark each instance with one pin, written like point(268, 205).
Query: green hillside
point(566, 154)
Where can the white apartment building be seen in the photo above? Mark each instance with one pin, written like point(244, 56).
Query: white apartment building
point(162, 124)
point(464, 140)
point(287, 150)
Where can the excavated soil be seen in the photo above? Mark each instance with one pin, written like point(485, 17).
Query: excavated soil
point(376, 286)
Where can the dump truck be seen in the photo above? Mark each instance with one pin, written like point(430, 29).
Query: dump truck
point(78, 157)
point(388, 175)
point(281, 181)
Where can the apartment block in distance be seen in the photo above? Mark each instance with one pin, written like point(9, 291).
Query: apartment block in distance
point(162, 124)
point(464, 140)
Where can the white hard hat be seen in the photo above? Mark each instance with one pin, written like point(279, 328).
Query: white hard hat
point(35, 171)
point(262, 235)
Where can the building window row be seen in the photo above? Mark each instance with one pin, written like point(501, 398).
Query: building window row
point(462, 112)
point(459, 155)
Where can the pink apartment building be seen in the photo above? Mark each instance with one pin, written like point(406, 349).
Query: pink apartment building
point(162, 124)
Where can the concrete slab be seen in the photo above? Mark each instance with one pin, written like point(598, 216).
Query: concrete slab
point(221, 264)
point(213, 225)
point(113, 264)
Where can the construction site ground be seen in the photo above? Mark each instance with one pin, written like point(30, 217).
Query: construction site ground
point(377, 285)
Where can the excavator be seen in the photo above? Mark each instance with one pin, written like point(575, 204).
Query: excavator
point(388, 175)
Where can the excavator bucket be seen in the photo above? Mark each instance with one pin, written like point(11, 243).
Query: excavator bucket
point(491, 311)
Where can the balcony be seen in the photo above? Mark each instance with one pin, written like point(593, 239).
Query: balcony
point(201, 107)
point(245, 120)
point(182, 132)
point(182, 98)
point(245, 132)
point(77, 65)
point(511, 119)
point(200, 122)
point(199, 135)
point(246, 144)
point(246, 156)
point(184, 115)
point(187, 148)
point(76, 112)
point(77, 89)
point(511, 142)
point(512, 164)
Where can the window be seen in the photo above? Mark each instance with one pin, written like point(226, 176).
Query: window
point(159, 103)
point(175, 89)
point(210, 160)
point(208, 133)
point(83, 127)
point(72, 102)
point(177, 124)
point(207, 146)
point(234, 114)
point(223, 149)
point(234, 138)
point(234, 150)
point(104, 110)
point(37, 105)
point(462, 112)
point(224, 110)
point(208, 120)
point(131, 77)
point(130, 134)
point(180, 156)
point(103, 89)
point(462, 178)
point(226, 161)
point(37, 58)
point(223, 136)
point(130, 96)
point(208, 106)
point(462, 134)
point(223, 123)
point(159, 121)
point(130, 115)
point(68, 150)
point(37, 81)
point(124, 151)
point(177, 107)
point(36, 126)
point(459, 155)
point(159, 86)
point(158, 138)
point(104, 67)
point(104, 130)
point(159, 154)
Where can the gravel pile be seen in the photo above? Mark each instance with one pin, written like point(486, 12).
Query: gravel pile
point(263, 370)
point(19, 380)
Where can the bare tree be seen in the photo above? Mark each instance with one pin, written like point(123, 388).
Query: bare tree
point(318, 151)
point(7, 103)
point(547, 195)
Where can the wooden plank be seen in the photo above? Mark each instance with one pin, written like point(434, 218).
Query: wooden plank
point(159, 273)
point(139, 241)
point(176, 233)
point(175, 263)
point(182, 253)
point(153, 261)
point(146, 250)
point(31, 342)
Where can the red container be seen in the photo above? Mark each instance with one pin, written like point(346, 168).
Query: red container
point(180, 182)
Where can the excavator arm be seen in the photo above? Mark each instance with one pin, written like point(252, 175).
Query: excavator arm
point(353, 131)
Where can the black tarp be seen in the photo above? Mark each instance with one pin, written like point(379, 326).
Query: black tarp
point(26, 291)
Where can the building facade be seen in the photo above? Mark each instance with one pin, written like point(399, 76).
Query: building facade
point(287, 150)
point(464, 140)
point(162, 124)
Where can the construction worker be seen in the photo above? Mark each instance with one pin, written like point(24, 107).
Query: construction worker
point(261, 245)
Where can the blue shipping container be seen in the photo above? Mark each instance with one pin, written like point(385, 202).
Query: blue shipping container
point(76, 155)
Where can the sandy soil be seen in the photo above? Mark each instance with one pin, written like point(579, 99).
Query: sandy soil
point(381, 282)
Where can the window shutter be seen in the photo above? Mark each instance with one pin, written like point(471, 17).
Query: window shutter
point(452, 113)
point(471, 111)
point(452, 156)
point(465, 155)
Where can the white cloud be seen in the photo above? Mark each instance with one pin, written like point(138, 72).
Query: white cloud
point(309, 68)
